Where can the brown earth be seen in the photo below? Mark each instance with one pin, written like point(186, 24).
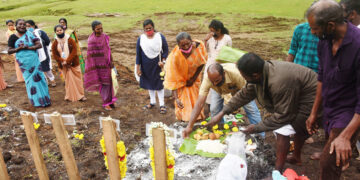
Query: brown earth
point(129, 105)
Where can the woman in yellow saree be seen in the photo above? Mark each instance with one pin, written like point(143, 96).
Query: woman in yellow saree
point(183, 68)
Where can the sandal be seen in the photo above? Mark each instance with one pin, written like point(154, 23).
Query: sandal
point(292, 160)
point(162, 110)
point(148, 106)
point(108, 108)
point(53, 83)
point(112, 106)
point(83, 99)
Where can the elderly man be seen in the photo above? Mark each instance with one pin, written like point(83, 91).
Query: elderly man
point(338, 88)
point(284, 89)
point(224, 79)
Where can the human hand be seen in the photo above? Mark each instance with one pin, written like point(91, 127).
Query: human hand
point(161, 64)
point(215, 120)
point(209, 35)
point(249, 129)
point(311, 126)
point(179, 103)
point(342, 149)
point(189, 82)
point(186, 132)
point(139, 72)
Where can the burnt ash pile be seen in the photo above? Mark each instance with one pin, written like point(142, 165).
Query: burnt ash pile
point(197, 167)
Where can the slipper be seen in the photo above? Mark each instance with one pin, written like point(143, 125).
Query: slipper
point(53, 83)
point(290, 159)
point(315, 156)
point(108, 108)
point(112, 106)
point(162, 110)
point(83, 99)
point(148, 106)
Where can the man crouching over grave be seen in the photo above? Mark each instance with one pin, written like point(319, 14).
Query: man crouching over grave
point(284, 89)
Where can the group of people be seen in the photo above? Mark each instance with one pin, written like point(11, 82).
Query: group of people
point(321, 87)
point(33, 53)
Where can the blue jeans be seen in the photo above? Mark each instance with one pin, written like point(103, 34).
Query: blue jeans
point(252, 111)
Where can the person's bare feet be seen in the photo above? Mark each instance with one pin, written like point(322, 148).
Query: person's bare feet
point(83, 99)
point(345, 166)
point(316, 156)
point(309, 140)
point(293, 160)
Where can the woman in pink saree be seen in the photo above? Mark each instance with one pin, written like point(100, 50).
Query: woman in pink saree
point(98, 66)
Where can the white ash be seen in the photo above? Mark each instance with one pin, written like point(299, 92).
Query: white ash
point(196, 167)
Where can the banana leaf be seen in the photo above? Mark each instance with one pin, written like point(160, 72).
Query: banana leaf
point(229, 55)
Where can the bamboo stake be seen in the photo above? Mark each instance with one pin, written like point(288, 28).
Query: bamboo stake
point(34, 144)
point(160, 154)
point(3, 171)
point(65, 146)
point(111, 149)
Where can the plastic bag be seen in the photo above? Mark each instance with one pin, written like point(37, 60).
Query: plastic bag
point(114, 81)
point(233, 166)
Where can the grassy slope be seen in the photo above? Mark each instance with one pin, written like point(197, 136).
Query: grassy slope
point(48, 11)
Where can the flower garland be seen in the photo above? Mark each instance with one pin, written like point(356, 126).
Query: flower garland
point(121, 154)
point(170, 159)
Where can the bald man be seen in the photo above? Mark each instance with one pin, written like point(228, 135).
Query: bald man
point(224, 79)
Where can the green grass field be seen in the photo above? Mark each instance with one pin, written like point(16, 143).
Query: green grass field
point(47, 12)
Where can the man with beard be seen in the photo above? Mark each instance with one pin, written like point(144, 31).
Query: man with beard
point(338, 87)
point(224, 79)
point(286, 90)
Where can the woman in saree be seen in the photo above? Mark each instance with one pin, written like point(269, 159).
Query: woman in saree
point(64, 52)
point(182, 69)
point(44, 52)
point(73, 35)
point(98, 66)
point(11, 30)
point(25, 44)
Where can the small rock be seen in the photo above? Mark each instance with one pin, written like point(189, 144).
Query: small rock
point(7, 156)
point(19, 160)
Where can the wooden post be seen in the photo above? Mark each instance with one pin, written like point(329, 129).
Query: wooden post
point(111, 149)
point(160, 153)
point(3, 171)
point(65, 146)
point(34, 144)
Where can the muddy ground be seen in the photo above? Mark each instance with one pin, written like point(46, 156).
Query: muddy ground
point(129, 105)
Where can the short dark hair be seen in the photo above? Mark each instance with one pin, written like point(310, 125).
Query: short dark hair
point(218, 67)
point(147, 22)
point(216, 24)
point(183, 35)
point(325, 12)
point(9, 21)
point(250, 63)
point(32, 23)
point(351, 5)
point(57, 27)
point(18, 20)
point(63, 20)
point(94, 24)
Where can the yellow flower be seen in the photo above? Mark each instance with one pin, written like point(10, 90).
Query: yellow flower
point(81, 136)
point(36, 126)
point(203, 123)
point(77, 136)
point(121, 149)
point(218, 132)
point(235, 129)
point(162, 73)
point(215, 127)
point(226, 126)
